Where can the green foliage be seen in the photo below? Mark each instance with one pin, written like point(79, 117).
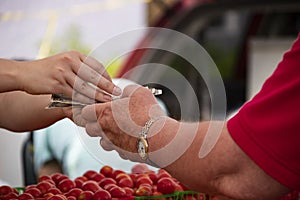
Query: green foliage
point(70, 40)
point(224, 58)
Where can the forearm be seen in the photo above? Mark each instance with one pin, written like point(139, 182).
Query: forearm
point(182, 142)
point(20, 111)
point(225, 171)
point(222, 170)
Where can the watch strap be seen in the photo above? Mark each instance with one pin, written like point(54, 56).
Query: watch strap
point(142, 138)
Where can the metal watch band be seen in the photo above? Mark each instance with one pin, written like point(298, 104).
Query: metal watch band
point(147, 126)
point(143, 140)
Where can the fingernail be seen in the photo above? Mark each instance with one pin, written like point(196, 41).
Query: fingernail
point(107, 97)
point(117, 91)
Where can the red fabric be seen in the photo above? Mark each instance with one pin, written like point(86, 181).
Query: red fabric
point(267, 128)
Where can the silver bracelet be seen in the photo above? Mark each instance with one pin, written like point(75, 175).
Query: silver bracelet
point(142, 143)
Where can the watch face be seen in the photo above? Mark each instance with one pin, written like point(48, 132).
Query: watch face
point(142, 147)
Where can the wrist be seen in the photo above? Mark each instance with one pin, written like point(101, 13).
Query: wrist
point(18, 74)
point(142, 143)
point(9, 75)
point(160, 139)
point(160, 133)
point(23, 74)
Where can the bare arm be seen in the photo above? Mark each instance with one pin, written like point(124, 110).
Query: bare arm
point(65, 73)
point(20, 111)
point(70, 73)
point(226, 171)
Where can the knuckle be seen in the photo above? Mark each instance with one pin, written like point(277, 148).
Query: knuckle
point(67, 57)
point(100, 67)
point(89, 130)
point(60, 70)
point(70, 57)
point(109, 85)
point(60, 74)
point(94, 75)
point(107, 111)
point(58, 88)
point(105, 84)
point(73, 53)
point(103, 116)
point(83, 86)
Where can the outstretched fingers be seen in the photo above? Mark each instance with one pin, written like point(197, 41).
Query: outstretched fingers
point(90, 78)
point(96, 65)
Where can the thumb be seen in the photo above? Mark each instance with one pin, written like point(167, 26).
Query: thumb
point(130, 89)
point(95, 111)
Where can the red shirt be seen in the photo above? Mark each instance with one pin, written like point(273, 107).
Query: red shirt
point(267, 128)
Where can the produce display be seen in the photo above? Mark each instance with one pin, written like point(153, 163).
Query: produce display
point(110, 184)
point(106, 184)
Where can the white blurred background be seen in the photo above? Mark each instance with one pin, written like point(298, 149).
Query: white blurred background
point(34, 29)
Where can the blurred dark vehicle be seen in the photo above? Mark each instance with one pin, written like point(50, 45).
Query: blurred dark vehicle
point(224, 29)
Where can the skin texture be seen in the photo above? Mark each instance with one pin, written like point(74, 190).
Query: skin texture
point(26, 87)
point(63, 73)
point(226, 171)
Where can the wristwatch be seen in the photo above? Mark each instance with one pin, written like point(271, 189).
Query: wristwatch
point(143, 147)
point(142, 142)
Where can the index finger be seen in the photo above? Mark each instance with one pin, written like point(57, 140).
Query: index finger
point(94, 72)
point(88, 74)
point(96, 65)
point(89, 113)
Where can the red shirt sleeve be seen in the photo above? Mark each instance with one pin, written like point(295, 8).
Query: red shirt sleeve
point(267, 128)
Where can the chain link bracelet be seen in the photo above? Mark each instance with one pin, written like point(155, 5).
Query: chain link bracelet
point(142, 143)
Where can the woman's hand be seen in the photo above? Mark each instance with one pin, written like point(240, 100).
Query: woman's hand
point(71, 74)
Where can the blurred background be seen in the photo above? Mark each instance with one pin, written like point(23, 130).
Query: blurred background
point(36, 29)
point(245, 38)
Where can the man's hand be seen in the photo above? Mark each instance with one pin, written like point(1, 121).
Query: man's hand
point(119, 122)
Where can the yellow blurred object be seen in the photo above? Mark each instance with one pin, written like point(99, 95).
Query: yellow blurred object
point(53, 15)
point(46, 43)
